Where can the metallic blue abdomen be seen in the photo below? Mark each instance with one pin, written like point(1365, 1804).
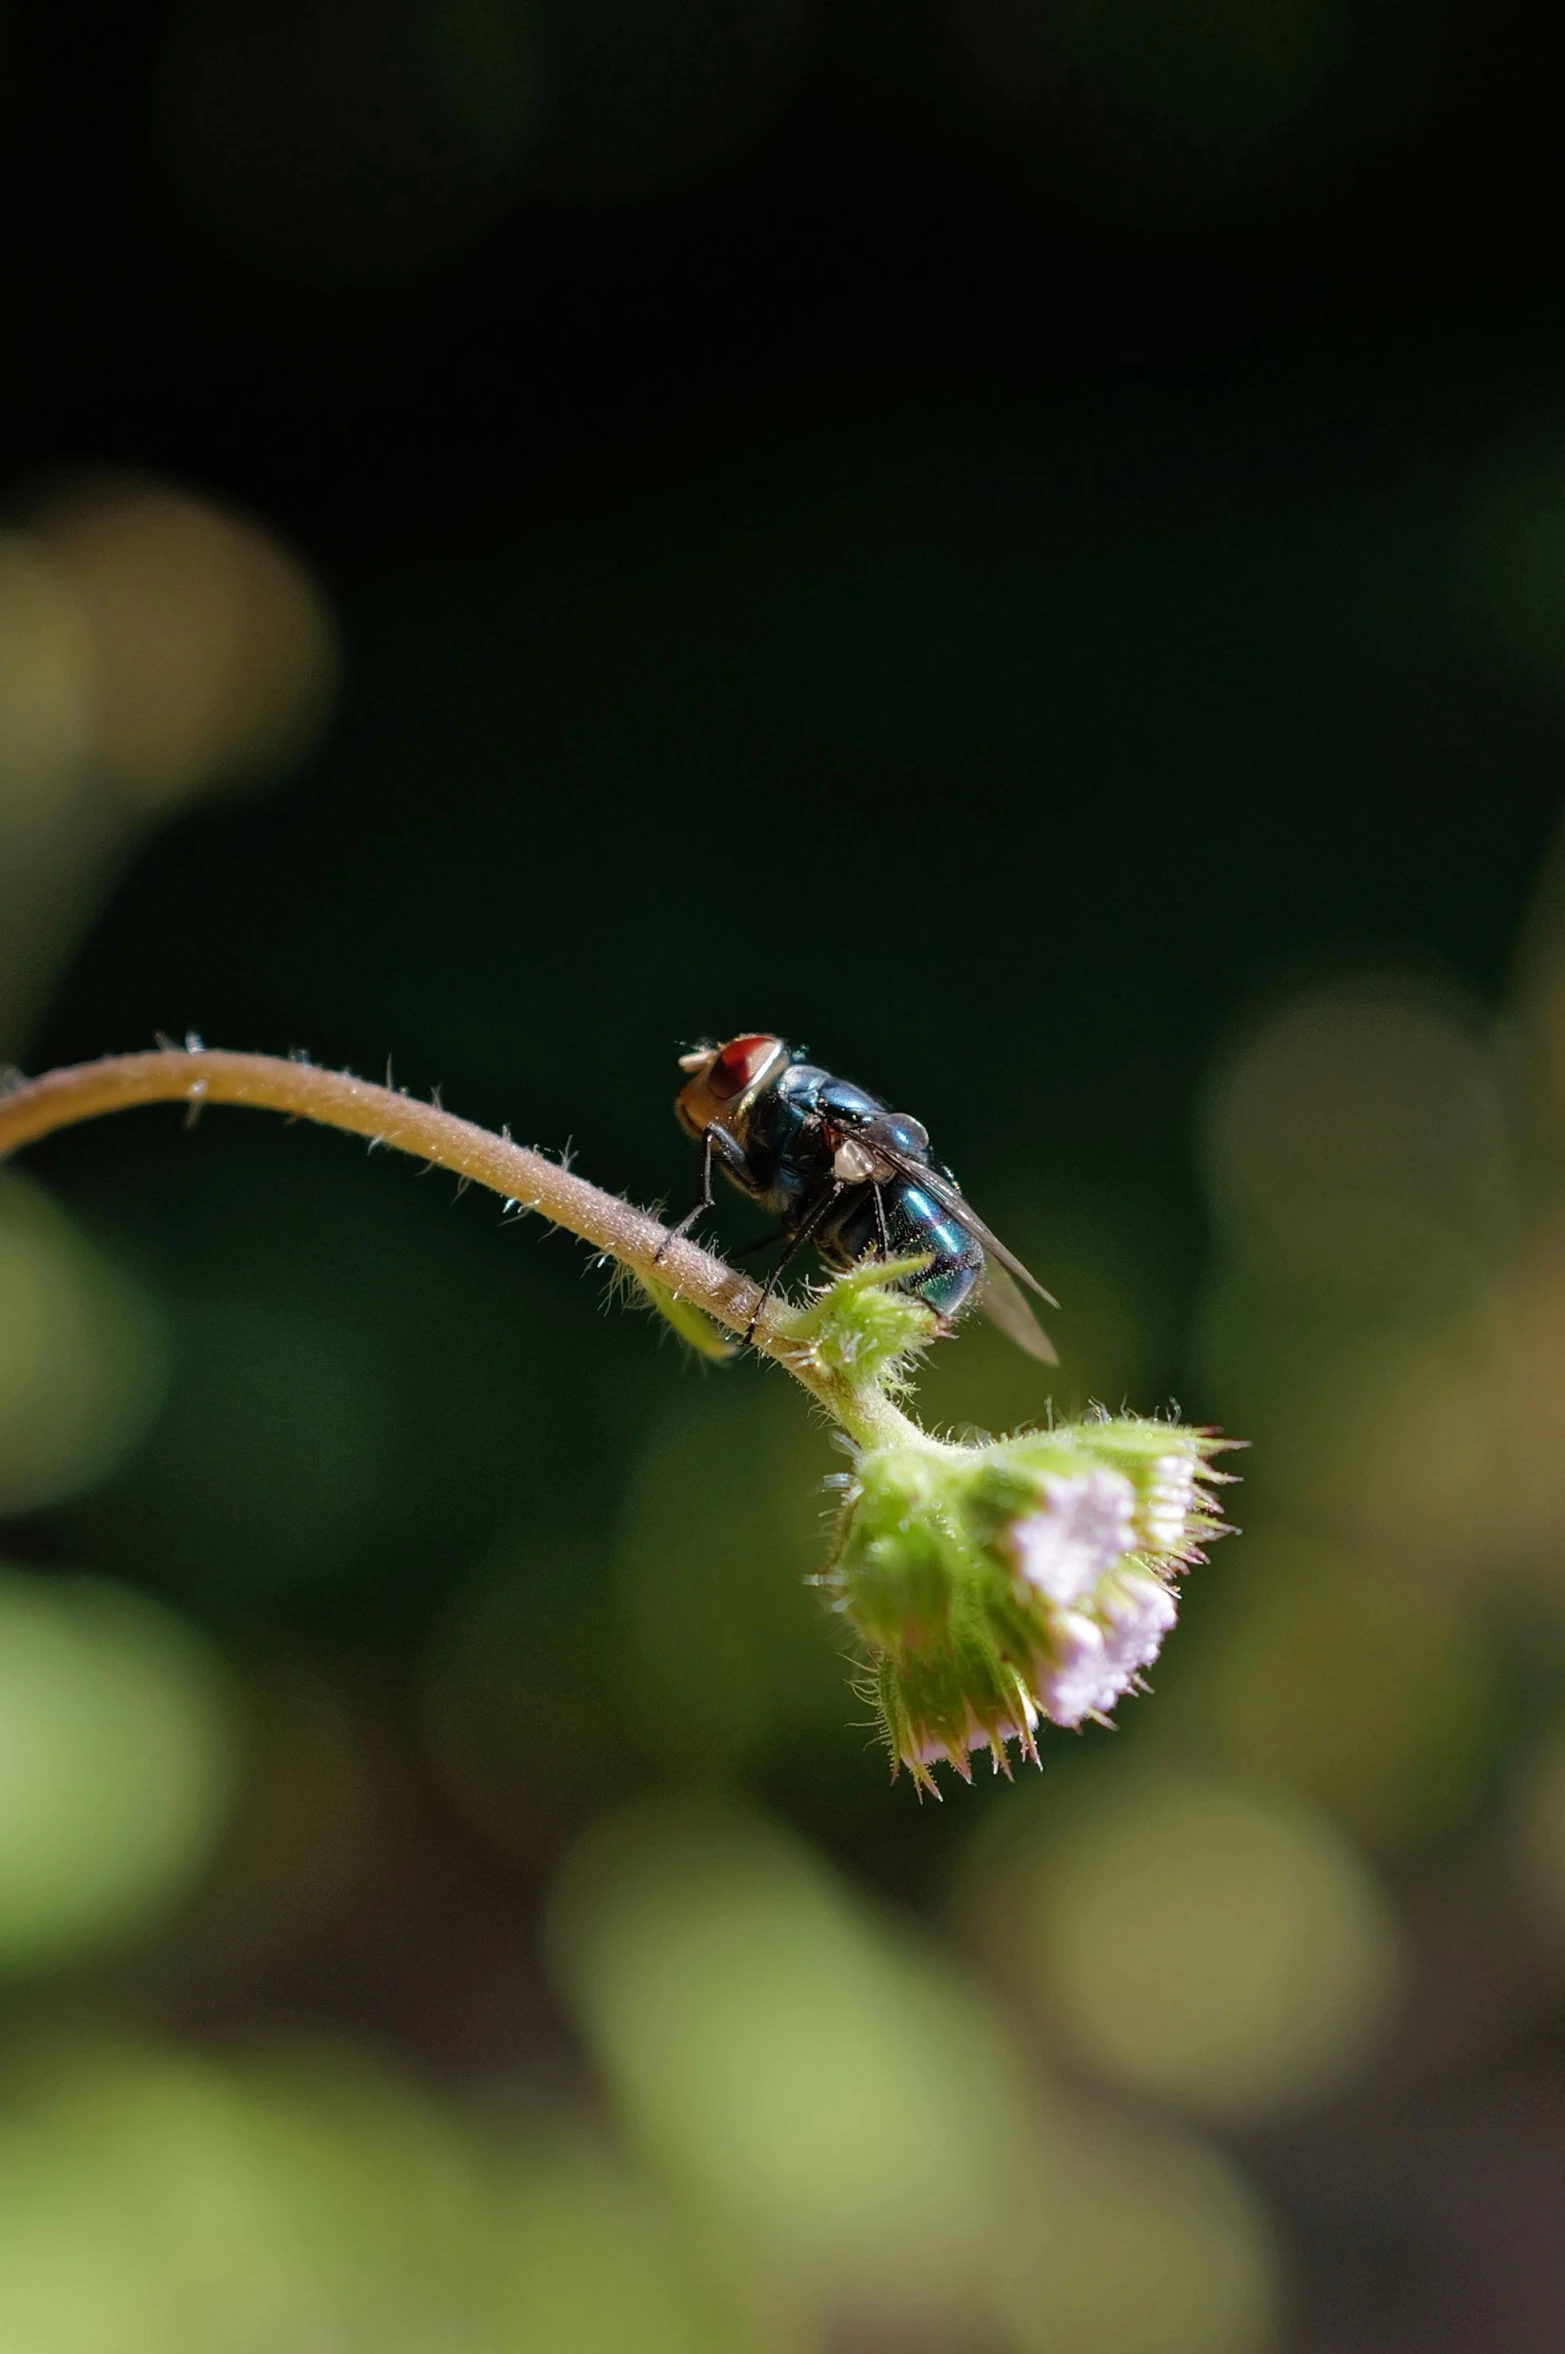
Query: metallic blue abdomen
point(916, 1224)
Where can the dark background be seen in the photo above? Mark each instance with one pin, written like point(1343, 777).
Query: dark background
point(1001, 545)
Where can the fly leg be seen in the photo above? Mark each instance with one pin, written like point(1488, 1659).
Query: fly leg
point(800, 1237)
point(881, 1227)
point(716, 1140)
point(703, 1203)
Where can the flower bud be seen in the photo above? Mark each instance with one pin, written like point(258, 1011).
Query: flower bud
point(1032, 1577)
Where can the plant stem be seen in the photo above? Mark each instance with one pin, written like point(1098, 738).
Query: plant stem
point(524, 1178)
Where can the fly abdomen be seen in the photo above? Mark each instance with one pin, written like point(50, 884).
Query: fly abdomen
point(915, 1224)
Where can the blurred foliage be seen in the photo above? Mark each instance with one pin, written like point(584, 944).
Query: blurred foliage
point(591, 2256)
point(155, 2199)
point(81, 1355)
point(724, 1518)
point(781, 2062)
point(1220, 1948)
point(604, 480)
point(1373, 1694)
point(856, 2114)
point(116, 1767)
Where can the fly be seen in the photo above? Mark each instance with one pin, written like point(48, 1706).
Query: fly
point(843, 1171)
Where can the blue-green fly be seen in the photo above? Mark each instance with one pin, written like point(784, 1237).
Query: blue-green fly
point(843, 1171)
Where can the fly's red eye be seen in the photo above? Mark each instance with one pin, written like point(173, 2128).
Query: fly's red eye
point(739, 1065)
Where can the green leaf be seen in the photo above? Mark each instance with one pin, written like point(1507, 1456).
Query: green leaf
point(705, 1337)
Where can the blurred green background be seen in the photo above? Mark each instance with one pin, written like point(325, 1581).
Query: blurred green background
point(1020, 543)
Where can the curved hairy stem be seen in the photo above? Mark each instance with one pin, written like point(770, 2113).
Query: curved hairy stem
point(987, 1586)
point(525, 1179)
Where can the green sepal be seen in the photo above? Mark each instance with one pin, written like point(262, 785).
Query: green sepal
point(861, 1327)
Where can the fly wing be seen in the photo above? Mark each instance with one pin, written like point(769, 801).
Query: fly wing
point(998, 1295)
point(950, 1196)
point(1004, 1305)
